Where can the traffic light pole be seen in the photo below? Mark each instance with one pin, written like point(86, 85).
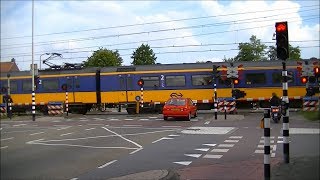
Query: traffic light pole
point(285, 101)
point(215, 98)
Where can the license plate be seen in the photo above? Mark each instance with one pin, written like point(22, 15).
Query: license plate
point(275, 115)
point(175, 109)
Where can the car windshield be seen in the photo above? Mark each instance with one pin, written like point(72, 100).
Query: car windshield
point(177, 102)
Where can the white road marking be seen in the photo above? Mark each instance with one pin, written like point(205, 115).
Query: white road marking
point(66, 134)
point(271, 137)
point(136, 151)
point(74, 145)
point(159, 119)
point(171, 126)
point(209, 145)
point(95, 124)
point(304, 131)
point(225, 145)
point(7, 138)
point(153, 117)
point(207, 122)
point(74, 179)
point(220, 150)
point(143, 119)
point(63, 128)
point(132, 125)
point(164, 138)
point(262, 146)
point(79, 125)
point(274, 151)
point(231, 141)
point(99, 119)
point(56, 121)
point(113, 119)
point(262, 141)
point(194, 120)
point(280, 137)
point(123, 137)
point(208, 130)
point(84, 120)
point(107, 164)
point(259, 151)
point(202, 149)
point(0, 129)
point(17, 125)
point(173, 135)
point(90, 129)
point(185, 163)
point(128, 119)
point(36, 133)
point(193, 155)
point(31, 142)
point(212, 156)
point(235, 137)
point(3, 147)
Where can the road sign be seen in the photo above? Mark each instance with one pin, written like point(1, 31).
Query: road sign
point(232, 72)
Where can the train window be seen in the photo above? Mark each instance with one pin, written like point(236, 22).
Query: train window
point(77, 83)
point(26, 85)
point(50, 84)
point(201, 80)
point(13, 85)
point(151, 81)
point(69, 83)
point(129, 83)
point(122, 85)
point(255, 78)
point(277, 77)
point(175, 80)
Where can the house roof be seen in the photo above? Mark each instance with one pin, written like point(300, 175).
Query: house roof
point(8, 67)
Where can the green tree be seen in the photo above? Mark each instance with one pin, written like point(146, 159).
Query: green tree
point(294, 53)
point(103, 58)
point(252, 51)
point(143, 55)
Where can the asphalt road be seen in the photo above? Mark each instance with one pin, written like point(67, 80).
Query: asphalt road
point(105, 146)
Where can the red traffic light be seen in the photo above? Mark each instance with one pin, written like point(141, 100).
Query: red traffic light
point(316, 70)
point(281, 27)
point(236, 81)
point(304, 80)
point(140, 82)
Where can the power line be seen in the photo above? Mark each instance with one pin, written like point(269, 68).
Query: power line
point(165, 52)
point(158, 22)
point(152, 47)
point(146, 32)
point(167, 38)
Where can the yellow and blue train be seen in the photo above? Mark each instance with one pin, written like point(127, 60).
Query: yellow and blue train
point(111, 86)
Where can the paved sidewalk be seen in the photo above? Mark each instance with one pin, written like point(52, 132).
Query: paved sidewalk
point(299, 168)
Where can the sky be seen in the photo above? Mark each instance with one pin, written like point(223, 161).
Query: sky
point(177, 31)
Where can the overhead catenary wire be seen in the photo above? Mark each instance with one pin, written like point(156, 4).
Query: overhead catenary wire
point(167, 21)
point(165, 52)
point(263, 19)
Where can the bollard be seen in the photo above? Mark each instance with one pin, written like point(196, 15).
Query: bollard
point(266, 159)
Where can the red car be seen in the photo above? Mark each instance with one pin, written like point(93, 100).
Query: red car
point(179, 107)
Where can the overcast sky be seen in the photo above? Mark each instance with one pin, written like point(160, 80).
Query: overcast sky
point(177, 31)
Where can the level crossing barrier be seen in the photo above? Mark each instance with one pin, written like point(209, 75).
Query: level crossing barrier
point(227, 104)
point(55, 108)
point(3, 109)
point(310, 104)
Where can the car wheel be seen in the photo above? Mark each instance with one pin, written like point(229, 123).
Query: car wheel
point(189, 116)
point(165, 118)
point(195, 114)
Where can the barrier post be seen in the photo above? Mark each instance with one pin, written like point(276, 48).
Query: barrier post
point(225, 108)
point(285, 124)
point(67, 103)
point(266, 159)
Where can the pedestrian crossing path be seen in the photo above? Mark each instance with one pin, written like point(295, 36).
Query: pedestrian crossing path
point(211, 151)
point(274, 140)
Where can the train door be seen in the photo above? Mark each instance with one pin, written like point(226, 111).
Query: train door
point(73, 83)
point(126, 88)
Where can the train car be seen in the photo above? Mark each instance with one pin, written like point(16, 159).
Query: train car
point(81, 88)
point(117, 86)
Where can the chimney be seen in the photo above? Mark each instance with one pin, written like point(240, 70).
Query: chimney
point(13, 60)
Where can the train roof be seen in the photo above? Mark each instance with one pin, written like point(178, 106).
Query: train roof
point(181, 66)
